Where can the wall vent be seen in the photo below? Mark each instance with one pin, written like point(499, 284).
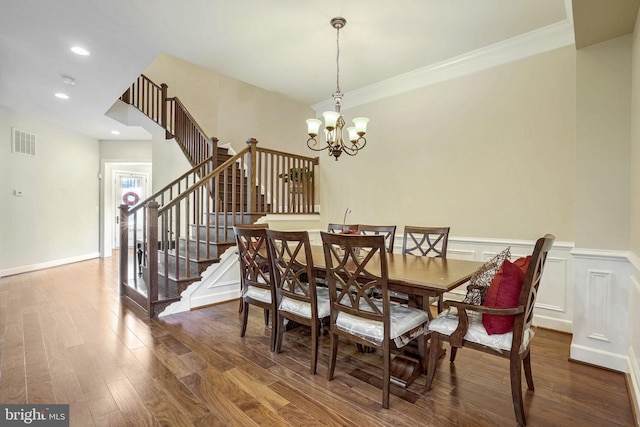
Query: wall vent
point(23, 142)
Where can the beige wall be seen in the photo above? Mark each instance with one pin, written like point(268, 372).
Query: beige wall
point(491, 155)
point(634, 154)
point(231, 110)
point(196, 87)
point(249, 112)
point(603, 155)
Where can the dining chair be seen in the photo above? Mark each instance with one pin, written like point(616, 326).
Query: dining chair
point(342, 228)
point(263, 225)
point(424, 241)
point(356, 314)
point(388, 231)
point(256, 277)
point(294, 278)
point(501, 326)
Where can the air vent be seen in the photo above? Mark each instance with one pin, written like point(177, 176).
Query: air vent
point(23, 142)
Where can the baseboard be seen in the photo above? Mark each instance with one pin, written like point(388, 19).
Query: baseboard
point(48, 264)
point(555, 324)
point(599, 358)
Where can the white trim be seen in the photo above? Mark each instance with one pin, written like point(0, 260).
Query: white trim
point(535, 42)
point(48, 264)
point(601, 254)
point(598, 357)
point(634, 376)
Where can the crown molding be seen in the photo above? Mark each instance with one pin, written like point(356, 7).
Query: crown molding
point(535, 42)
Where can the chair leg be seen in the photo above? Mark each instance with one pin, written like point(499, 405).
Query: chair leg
point(280, 328)
point(423, 352)
point(516, 388)
point(274, 328)
point(433, 359)
point(315, 329)
point(266, 317)
point(386, 377)
point(452, 356)
point(245, 316)
point(526, 362)
point(332, 357)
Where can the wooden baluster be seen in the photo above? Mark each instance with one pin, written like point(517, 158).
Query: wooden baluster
point(152, 254)
point(163, 110)
point(251, 175)
point(124, 246)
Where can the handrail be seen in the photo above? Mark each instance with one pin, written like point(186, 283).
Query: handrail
point(190, 173)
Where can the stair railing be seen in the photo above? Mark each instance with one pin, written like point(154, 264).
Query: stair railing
point(151, 99)
point(183, 235)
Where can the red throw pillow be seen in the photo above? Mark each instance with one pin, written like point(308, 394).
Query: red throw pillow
point(504, 292)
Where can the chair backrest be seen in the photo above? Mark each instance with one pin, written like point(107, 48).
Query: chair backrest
point(353, 278)
point(388, 231)
point(292, 265)
point(530, 285)
point(255, 265)
point(425, 241)
point(342, 228)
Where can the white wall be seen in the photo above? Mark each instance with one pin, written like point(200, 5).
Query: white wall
point(56, 219)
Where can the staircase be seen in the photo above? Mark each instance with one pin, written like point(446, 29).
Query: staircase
point(169, 239)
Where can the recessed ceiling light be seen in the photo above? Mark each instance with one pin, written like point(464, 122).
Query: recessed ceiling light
point(68, 80)
point(62, 95)
point(80, 51)
point(115, 132)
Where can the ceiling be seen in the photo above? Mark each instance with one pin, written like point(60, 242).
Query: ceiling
point(284, 46)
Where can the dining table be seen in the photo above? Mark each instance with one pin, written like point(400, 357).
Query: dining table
point(421, 278)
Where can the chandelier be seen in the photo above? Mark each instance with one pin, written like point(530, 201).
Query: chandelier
point(334, 121)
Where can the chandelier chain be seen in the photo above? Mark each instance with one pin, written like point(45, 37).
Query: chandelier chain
point(338, 60)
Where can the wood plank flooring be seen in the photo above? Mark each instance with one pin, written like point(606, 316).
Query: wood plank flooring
point(66, 338)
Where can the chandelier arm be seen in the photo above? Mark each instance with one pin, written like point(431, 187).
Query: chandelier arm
point(314, 143)
point(354, 148)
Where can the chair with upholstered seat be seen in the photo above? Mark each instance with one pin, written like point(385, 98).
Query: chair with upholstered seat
point(256, 277)
point(294, 279)
point(263, 225)
point(502, 325)
point(356, 265)
point(388, 231)
point(424, 241)
point(342, 228)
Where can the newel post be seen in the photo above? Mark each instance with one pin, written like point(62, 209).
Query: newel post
point(152, 254)
point(123, 220)
point(251, 175)
point(163, 109)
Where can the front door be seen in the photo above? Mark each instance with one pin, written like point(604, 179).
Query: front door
point(130, 188)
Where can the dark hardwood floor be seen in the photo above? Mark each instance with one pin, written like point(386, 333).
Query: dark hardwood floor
point(65, 338)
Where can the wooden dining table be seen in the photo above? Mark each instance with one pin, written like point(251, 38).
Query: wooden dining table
point(420, 277)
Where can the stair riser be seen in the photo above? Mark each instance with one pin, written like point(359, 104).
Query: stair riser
point(215, 234)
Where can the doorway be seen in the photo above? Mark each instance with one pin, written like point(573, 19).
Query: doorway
point(129, 188)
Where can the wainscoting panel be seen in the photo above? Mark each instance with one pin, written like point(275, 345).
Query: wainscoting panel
point(598, 290)
point(603, 315)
